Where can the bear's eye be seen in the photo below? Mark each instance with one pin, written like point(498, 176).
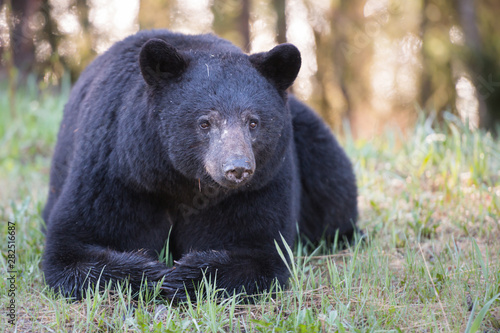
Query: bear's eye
point(253, 124)
point(204, 124)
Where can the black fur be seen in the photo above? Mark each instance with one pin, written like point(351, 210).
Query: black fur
point(143, 152)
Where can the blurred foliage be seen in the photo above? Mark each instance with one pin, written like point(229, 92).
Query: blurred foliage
point(372, 61)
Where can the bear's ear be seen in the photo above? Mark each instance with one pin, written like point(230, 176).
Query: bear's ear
point(160, 61)
point(280, 65)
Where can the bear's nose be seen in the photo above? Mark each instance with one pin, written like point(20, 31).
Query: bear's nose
point(237, 170)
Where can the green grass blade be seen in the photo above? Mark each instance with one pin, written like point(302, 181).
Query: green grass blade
point(473, 326)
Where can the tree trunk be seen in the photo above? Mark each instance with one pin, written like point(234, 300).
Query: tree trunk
point(480, 64)
point(21, 35)
point(279, 8)
point(244, 24)
point(155, 14)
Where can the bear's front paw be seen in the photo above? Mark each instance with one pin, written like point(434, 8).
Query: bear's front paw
point(176, 293)
point(180, 281)
point(187, 274)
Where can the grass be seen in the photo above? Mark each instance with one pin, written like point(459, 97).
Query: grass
point(430, 206)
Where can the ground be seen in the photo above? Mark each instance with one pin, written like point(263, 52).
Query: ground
point(429, 203)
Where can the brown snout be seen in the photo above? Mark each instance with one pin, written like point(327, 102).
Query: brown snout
point(238, 169)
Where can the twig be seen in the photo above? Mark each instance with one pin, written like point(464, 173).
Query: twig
point(434, 287)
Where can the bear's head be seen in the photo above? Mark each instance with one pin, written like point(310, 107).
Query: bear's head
point(222, 115)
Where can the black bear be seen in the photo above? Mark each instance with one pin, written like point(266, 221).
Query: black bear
point(185, 138)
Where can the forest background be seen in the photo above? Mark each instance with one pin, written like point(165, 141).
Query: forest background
point(377, 63)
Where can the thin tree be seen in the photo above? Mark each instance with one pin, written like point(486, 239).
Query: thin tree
point(485, 67)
